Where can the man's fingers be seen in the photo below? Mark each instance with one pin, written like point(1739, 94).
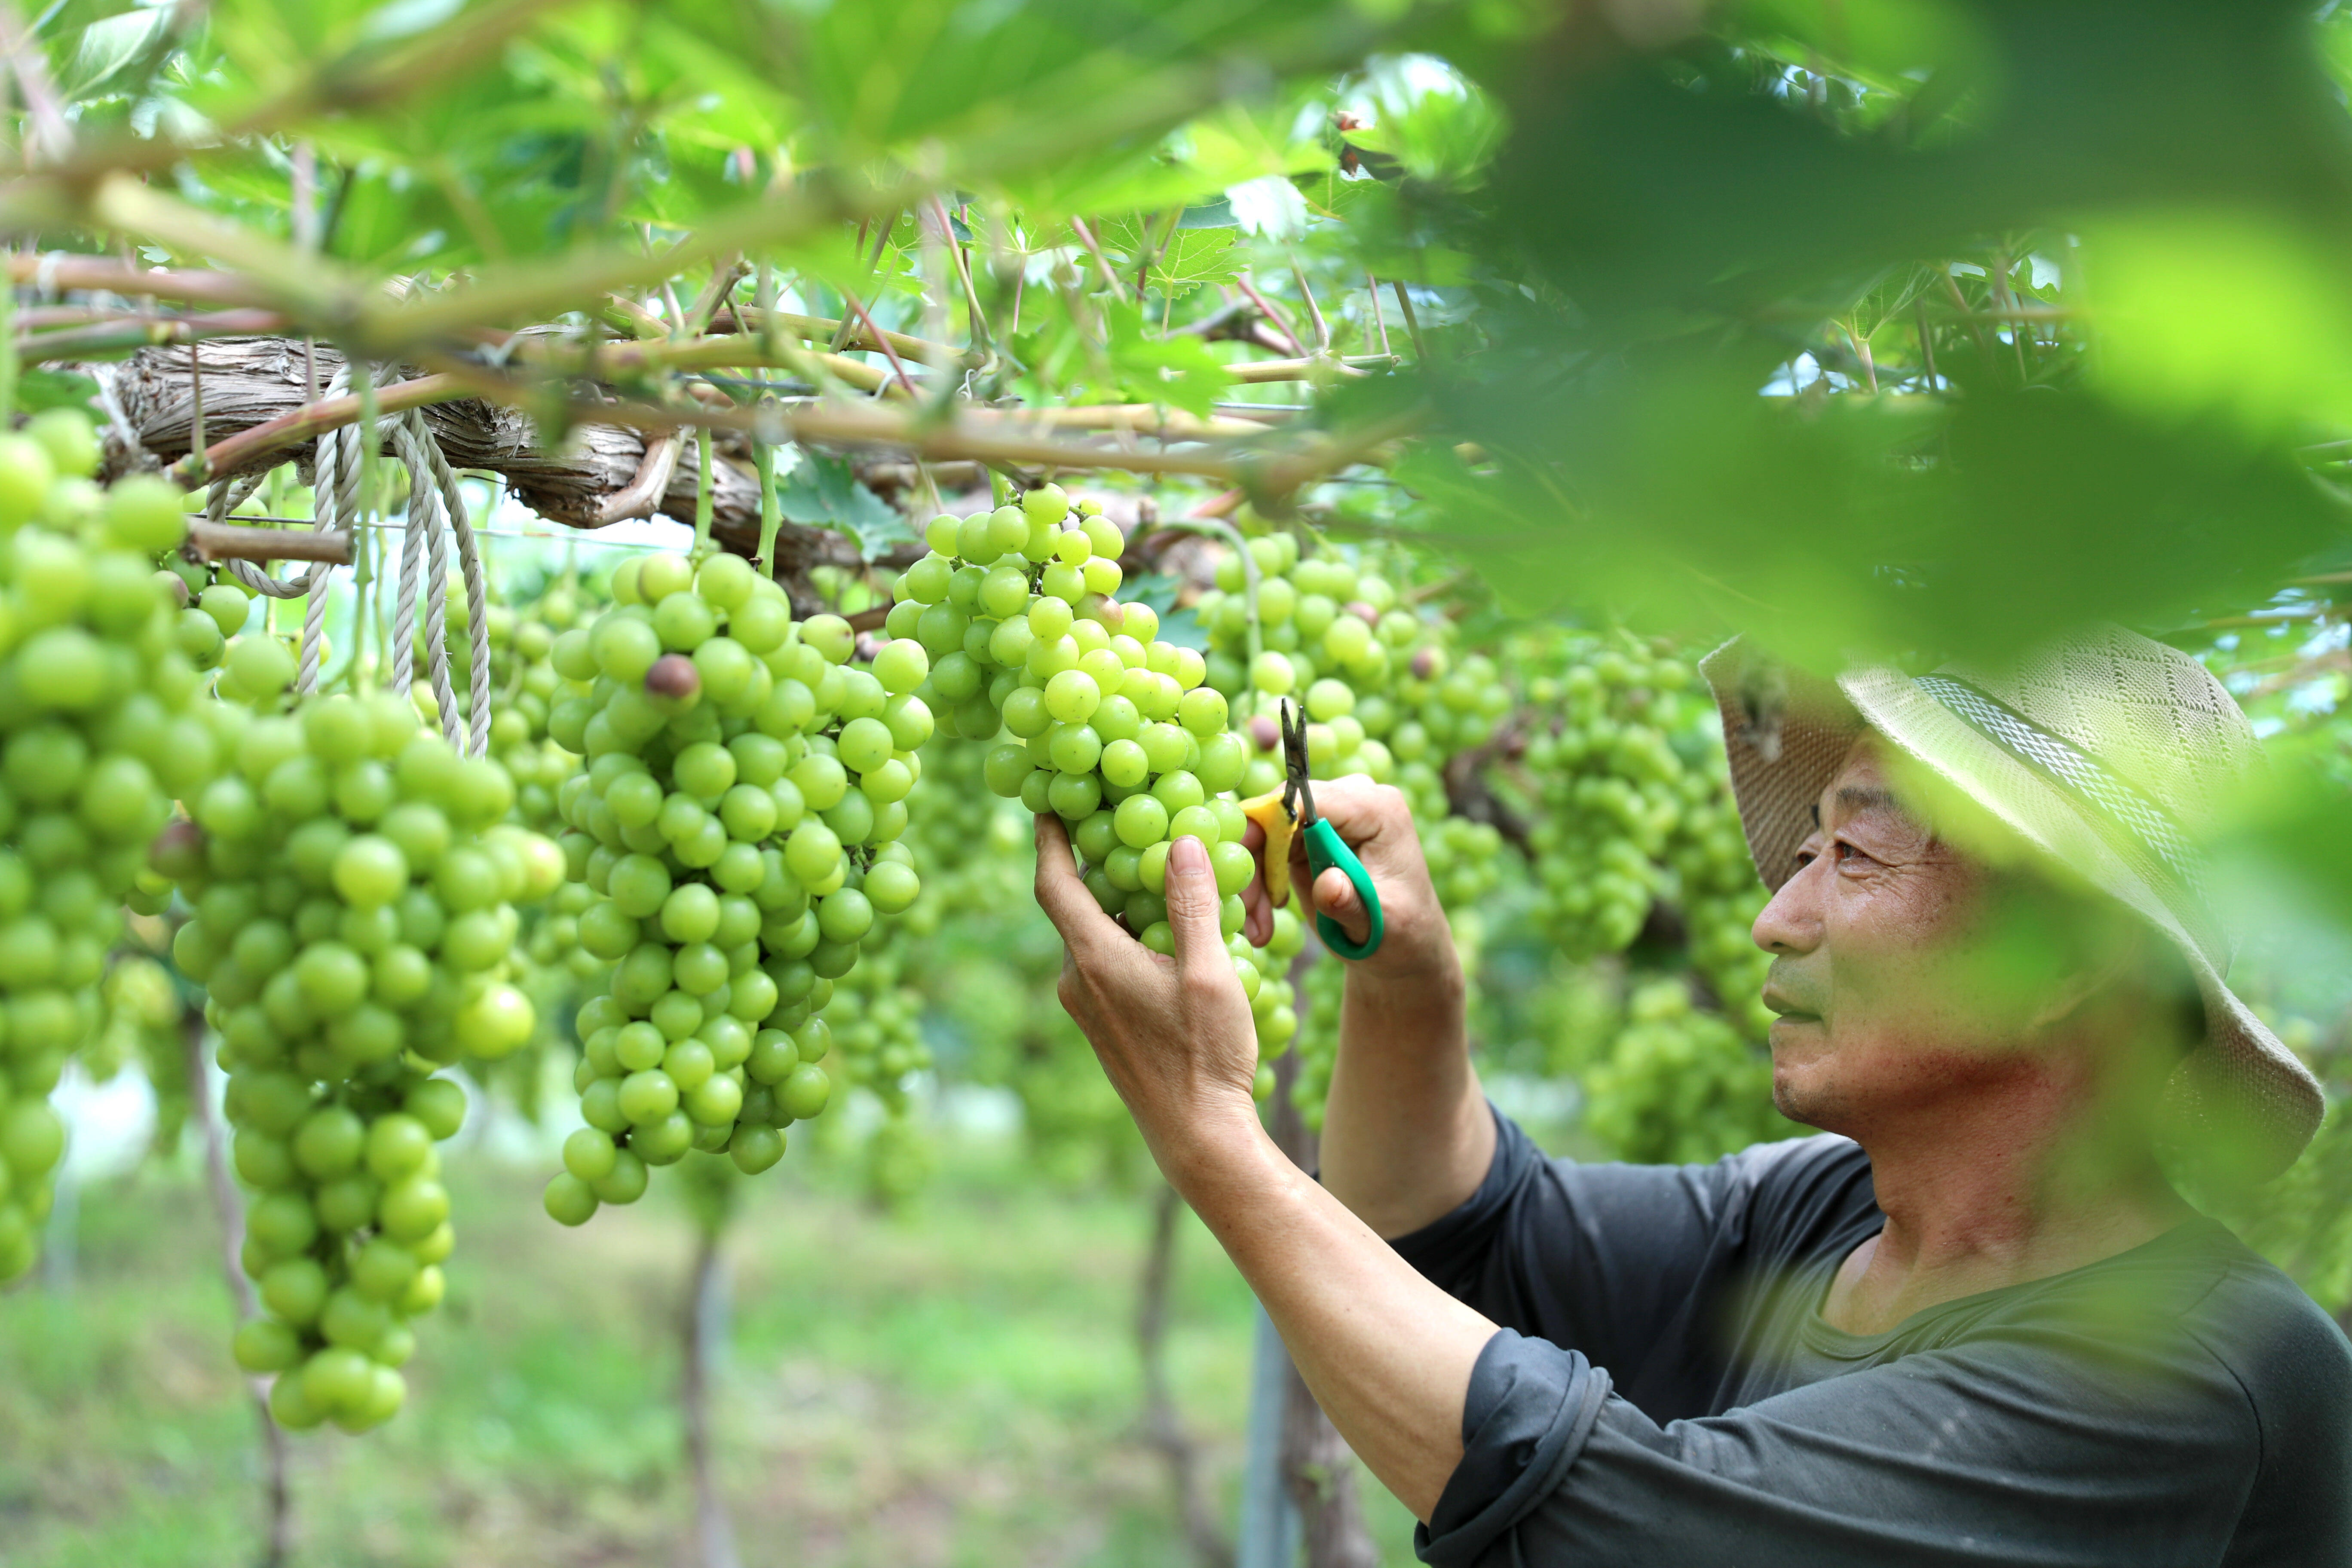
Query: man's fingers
point(1060, 893)
point(1362, 813)
point(1257, 912)
point(1257, 908)
point(1336, 896)
point(1193, 904)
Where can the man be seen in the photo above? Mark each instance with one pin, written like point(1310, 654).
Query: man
point(1971, 1324)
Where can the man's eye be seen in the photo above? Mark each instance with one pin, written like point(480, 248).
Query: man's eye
point(1846, 852)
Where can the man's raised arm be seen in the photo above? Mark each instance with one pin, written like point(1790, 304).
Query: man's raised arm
point(1406, 1133)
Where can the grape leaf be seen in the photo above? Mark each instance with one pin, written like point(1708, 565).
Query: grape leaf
point(119, 54)
point(1890, 295)
point(1179, 371)
point(44, 388)
point(1128, 238)
point(825, 492)
point(1194, 256)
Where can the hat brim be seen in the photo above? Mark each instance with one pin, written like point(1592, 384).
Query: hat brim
point(2241, 1096)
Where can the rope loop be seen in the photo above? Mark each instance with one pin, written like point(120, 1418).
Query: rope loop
point(435, 499)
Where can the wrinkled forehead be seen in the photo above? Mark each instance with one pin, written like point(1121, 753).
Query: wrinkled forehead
point(1863, 785)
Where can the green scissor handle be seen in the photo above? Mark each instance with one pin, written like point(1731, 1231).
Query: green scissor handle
point(1325, 850)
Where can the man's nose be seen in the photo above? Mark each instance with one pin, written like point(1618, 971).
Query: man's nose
point(1791, 922)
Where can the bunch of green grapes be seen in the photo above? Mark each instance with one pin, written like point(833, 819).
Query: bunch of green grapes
point(97, 734)
point(1332, 639)
point(1678, 1085)
point(1632, 806)
point(971, 842)
point(1370, 675)
point(1607, 785)
point(525, 686)
point(353, 919)
point(141, 1024)
point(739, 825)
point(1110, 728)
point(875, 1021)
point(1466, 860)
point(1373, 676)
point(1450, 707)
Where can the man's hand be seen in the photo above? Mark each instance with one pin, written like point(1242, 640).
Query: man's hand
point(1376, 823)
point(1406, 1134)
point(1174, 1035)
point(1387, 1354)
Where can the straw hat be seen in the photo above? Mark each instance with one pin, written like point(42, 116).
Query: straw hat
point(2107, 753)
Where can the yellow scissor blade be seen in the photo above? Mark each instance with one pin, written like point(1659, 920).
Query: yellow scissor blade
point(1268, 811)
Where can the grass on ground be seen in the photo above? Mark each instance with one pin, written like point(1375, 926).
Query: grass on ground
point(953, 1388)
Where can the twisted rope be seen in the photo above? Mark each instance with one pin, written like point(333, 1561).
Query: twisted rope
point(435, 497)
point(436, 641)
point(424, 517)
point(336, 477)
point(452, 498)
point(226, 496)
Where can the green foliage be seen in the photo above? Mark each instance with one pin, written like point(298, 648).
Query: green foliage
point(825, 491)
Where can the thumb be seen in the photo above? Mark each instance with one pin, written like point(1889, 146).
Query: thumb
point(1192, 903)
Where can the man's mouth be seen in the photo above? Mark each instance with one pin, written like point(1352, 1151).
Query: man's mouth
point(1786, 1006)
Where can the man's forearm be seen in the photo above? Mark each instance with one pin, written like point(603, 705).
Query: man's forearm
point(1406, 1133)
point(1387, 1355)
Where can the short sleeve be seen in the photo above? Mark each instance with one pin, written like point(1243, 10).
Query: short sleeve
point(1628, 1265)
point(1530, 1409)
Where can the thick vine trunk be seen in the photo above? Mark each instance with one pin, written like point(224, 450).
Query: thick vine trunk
point(1163, 1427)
point(1317, 1467)
point(277, 1523)
point(246, 381)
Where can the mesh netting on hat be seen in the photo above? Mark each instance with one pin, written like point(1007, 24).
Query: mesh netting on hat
point(2150, 712)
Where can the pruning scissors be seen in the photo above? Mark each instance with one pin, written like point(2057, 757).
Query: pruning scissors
point(1291, 810)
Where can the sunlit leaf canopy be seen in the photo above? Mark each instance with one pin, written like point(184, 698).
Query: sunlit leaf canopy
point(1916, 325)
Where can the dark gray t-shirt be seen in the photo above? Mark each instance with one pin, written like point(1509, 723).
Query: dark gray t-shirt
point(1664, 1393)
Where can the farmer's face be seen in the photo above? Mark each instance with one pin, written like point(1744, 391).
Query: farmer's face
point(1904, 973)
